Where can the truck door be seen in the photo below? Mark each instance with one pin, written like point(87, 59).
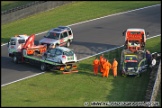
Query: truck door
point(12, 45)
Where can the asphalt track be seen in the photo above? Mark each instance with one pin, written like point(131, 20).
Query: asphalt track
point(90, 38)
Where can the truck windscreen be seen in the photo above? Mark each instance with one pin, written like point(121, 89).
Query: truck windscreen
point(13, 41)
point(21, 41)
point(52, 35)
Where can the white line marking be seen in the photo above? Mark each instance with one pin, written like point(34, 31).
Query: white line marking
point(78, 60)
point(22, 79)
point(100, 18)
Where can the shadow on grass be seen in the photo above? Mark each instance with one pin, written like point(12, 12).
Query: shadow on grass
point(130, 88)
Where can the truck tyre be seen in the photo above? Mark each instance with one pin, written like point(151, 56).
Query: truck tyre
point(43, 67)
point(68, 43)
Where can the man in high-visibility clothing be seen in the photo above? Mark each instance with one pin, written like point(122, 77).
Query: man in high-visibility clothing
point(96, 64)
point(107, 67)
point(101, 63)
point(114, 67)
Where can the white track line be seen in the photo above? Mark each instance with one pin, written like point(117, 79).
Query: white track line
point(100, 18)
point(22, 79)
point(78, 60)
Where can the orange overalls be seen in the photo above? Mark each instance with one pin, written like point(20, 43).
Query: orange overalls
point(96, 64)
point(107, 67)
point(114, 68)
point(101, 64)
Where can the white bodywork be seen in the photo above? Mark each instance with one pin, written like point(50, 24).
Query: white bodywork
point(58, 55)
point(16, 43)
point(60, 36)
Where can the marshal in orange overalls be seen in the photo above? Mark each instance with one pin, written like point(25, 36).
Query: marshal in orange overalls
point(114, 67)
point(107, 67)
point(96, 64)
point(101, 63)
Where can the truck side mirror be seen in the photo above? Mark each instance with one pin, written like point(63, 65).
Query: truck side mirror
point(124, 33)
point(147, 34)
point(8, 44)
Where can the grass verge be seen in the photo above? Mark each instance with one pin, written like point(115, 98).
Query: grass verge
point(68, 14)
point(56, 89)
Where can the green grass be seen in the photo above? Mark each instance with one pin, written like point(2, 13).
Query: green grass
point(6, 5)
point(154, 46)
point(68, 14)
point(56, 89)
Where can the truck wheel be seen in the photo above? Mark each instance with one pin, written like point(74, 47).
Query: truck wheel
point(43, 67)
point(68, 44)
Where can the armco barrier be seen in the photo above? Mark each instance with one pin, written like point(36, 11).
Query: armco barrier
point(31, 9)
point(156, 87)
point(21, 7)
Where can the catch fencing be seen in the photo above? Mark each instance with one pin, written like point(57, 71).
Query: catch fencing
point(156, 86)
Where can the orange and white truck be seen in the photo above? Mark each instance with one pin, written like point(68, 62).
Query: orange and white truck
point(135, 39)
point(133, 55)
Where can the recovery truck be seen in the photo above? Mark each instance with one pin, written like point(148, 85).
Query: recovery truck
point(133, 55)
point(25, 54)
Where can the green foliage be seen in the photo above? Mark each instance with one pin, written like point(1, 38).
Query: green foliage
point(154, 45)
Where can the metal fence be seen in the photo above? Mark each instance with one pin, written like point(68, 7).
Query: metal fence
point(21, 7)
point(154, 84)
point(156, 87)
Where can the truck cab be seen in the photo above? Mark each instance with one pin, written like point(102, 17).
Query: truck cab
point(60, 36)
point(135, 39)
point(16, 43)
